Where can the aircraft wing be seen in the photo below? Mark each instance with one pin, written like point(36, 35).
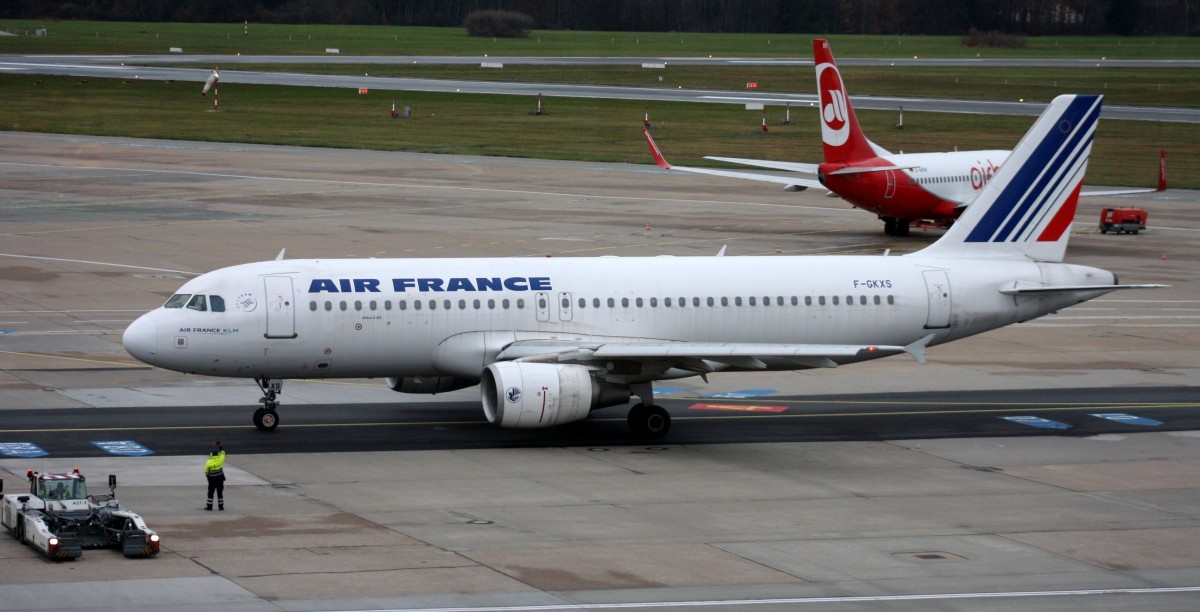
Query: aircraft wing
point(1116, 192)
point(764, 163)
point(699, 356)
point(793, 184)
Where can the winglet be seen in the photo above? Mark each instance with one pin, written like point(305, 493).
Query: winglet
point(658, 156)
point(279, 257)
point(917, 349)
point(721, 253)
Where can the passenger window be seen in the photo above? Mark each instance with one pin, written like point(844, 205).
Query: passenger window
point(737, 301)
point(504, 304)
point(835, 300)
point(595, 302)
point(667, 302)
point(358, 304)
point(542, 303)
point(372, 305)
point(821, 300)
point(217, 303)
point(862, 300)
point(198, 303)
point(696, 302)
point(433, 304)
point(624, 302)
point(611, 302)
point(710, 301)
point(520, 304)
point(402, 304)
point(653, 302)
point(491, 304)
point(328, 306)
point(891, 300)
point(177, 300)
point(342, 305)
point(312, 306)
point(639, 302)
point(462, 304)
point(416, 304)
point(446, 304)
point(476, 304)
point(582, 303)
point(387, 304)
point(877, 300)
point(566, 302)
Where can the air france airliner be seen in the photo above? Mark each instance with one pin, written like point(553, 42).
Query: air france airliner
point(550, 340)
point(900, 188)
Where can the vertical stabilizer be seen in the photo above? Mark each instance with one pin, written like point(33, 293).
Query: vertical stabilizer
point(844, 141)
point(1025, 211)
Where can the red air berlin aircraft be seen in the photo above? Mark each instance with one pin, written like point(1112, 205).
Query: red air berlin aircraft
point(900, 188)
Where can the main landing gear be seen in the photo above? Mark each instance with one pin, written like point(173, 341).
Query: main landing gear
point(893, 226)
point(265, 418)
point(645, 419)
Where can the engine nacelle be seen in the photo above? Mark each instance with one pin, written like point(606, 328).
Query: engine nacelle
point(529, 395)
point(428, 384)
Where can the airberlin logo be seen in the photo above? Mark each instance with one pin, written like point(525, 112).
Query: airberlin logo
point(835, 125)
point(982, 173)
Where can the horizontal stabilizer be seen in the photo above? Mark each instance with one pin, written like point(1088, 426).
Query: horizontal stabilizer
point(865, 169)
point(1042, 289)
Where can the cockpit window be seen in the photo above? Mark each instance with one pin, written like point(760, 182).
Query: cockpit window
point(198, 303)
point(177, 300)
point(216, 303)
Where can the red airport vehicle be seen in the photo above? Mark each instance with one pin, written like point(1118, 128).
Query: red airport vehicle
point(1122, 220)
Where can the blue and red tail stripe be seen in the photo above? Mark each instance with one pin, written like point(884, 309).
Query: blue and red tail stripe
point(1054, 166)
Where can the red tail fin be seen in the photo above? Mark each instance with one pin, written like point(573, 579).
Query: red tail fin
point(844, 140)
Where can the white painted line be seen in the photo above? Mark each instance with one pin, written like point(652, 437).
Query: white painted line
point(807, 600)
point(98, 263)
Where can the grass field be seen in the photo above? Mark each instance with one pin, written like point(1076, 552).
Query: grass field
point(122, 37)
point(1126, 86)
point(1125, 153)
point(601, 130)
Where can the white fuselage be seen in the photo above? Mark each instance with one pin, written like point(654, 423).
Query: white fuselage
point(452, 317)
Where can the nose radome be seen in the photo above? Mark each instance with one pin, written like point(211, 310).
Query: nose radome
point(140, 339)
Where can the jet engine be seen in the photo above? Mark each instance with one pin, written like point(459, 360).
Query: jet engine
point(529, 395)
point(428, 384)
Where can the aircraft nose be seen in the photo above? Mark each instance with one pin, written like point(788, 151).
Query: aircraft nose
point(141, 339)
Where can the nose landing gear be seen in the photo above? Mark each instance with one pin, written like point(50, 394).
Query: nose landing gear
point(266, 418)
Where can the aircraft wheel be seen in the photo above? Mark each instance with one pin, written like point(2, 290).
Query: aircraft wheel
point(649, 421)
point(889, 226)
point(266, 420)
point(901, 228)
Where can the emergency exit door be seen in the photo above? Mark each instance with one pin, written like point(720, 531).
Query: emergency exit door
point(281, 307)
point(937, 287)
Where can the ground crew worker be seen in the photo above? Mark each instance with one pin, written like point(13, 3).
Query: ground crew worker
point(214, 471)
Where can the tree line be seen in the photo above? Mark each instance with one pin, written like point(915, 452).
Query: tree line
point(1022, 17)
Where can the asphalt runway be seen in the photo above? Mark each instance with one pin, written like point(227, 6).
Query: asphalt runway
point(983, 480)
point(129, 67)
point(457, 425)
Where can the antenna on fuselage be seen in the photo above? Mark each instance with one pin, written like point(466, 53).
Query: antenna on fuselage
point(279, 257)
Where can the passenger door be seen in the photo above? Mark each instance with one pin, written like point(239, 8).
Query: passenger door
point(281, 308)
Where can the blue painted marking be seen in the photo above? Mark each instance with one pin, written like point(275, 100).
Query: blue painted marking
point(7, 331)
point(743, 394)
point(23, 450)
point(1128, 419)
point(1034, 421)
point(124, 448)
point(668, 390)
